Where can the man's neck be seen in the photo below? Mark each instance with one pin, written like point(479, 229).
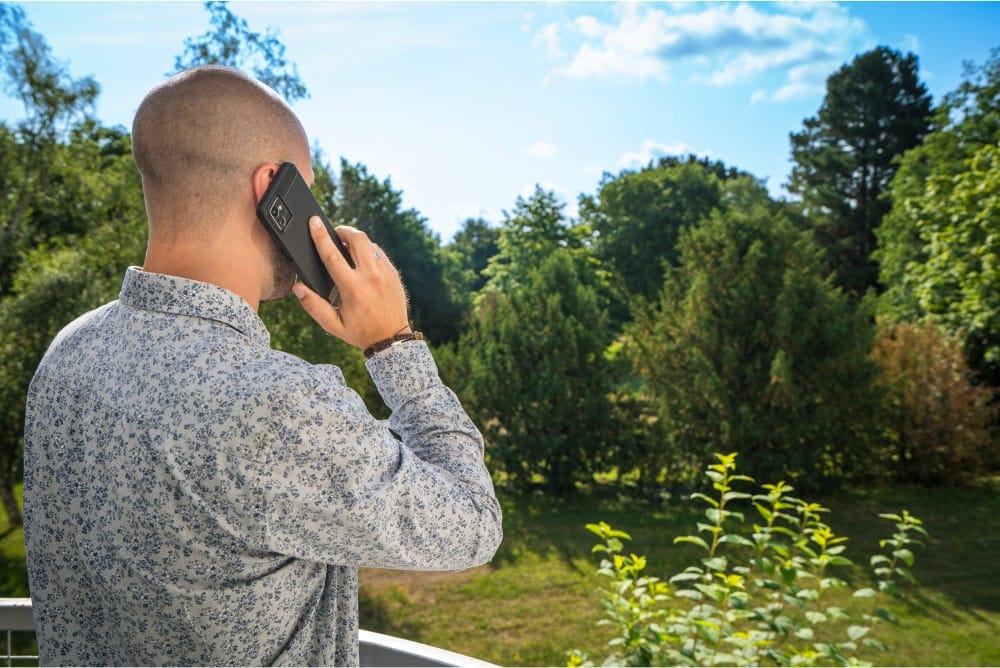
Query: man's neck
point(207, 262)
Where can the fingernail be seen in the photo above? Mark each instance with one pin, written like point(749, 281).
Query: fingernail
point(299, 290)
point(314, 223)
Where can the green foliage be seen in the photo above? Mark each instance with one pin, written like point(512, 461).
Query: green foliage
point(536, 378)
point(938, 246)
point(33, 151)
point(533, 230)
point(875, 109)
point(637, 216)
point(231, 42)
point(763, 593)
point(468, 255)
point(749, 345)
point(938, 422)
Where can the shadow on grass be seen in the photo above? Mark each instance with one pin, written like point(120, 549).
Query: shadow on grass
point(958, 558)
point(13, 577)
point(535, 524)
point(374, 615)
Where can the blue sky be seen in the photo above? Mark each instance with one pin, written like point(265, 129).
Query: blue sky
point(466, 106)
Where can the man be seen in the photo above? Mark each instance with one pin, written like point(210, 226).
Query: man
point(193, 496)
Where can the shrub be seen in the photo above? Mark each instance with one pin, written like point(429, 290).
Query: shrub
point(750, 346)
point(938, 428)
point(760, 595)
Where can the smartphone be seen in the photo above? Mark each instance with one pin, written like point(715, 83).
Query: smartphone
point(285, 210)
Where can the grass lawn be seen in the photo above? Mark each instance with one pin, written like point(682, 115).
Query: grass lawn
point(537, 599)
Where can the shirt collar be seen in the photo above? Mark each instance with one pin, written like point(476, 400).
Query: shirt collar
point(183, 296)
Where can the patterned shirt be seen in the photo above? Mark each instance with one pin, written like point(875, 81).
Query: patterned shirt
point(193, 496)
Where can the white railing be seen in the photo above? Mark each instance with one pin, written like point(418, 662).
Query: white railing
point(375, 649)
point(15, 615)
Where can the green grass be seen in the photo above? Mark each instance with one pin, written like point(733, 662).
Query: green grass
point(537, 599)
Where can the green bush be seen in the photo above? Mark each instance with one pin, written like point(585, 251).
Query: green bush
point(763, 593)
point(751, 347)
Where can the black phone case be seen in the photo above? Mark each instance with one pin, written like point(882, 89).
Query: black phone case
point(285, 210)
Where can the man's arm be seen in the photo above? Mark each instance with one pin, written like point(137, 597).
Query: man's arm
point(340, 488)
point(424, 500)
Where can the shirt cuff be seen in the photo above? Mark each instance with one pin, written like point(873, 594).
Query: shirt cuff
point(401, 371)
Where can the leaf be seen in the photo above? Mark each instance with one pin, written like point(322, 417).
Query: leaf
point(904, 555)
point(707, 499)
point(887, 615)
point(718, 564)
point(688, 593)
point(875, 644)
point(737, 539)
point(687, 576)
point(815, 617)
point(695, 540)
point(867, 592)
point(855, 632)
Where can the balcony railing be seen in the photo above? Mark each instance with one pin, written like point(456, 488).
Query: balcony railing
point(375, 649)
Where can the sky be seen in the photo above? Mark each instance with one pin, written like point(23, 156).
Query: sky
point(467, 106)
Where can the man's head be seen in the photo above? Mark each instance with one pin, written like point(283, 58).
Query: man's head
point(206, 142)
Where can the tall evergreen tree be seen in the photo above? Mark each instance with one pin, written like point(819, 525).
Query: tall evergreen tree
point(875, 109)
point(751, 349)
point(537, 381)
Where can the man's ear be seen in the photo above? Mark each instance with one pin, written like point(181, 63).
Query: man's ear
point(262, 177)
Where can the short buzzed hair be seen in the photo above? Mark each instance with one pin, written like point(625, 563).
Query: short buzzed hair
point(198, 137)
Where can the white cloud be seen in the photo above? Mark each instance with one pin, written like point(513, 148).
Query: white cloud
point(651, 150)
point(541, 150)
point(548, 35)
point(718, 44)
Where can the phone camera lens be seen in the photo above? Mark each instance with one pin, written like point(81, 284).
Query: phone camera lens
point(279, 214)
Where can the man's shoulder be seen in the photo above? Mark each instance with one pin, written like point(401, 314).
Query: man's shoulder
point(71, 332)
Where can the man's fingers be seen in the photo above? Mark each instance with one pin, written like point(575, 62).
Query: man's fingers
point(331, 256)
point(320, 310)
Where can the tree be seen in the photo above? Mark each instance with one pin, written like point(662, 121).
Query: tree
point(231, 42)
point(751, 349)
point(467, 255)
point(530, 233)
point(537, 379)
point(875, 109)
point(637, 216)
point(73, 201)
point(54, 103)
point(938, 245)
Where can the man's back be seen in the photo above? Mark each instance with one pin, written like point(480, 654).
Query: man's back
point(194, 497)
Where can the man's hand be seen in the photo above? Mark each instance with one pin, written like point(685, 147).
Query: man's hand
point(372, 299)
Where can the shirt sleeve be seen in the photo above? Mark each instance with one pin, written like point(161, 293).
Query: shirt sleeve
point(341, 488)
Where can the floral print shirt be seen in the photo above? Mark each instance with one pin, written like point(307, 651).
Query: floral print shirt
point(193, 496)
